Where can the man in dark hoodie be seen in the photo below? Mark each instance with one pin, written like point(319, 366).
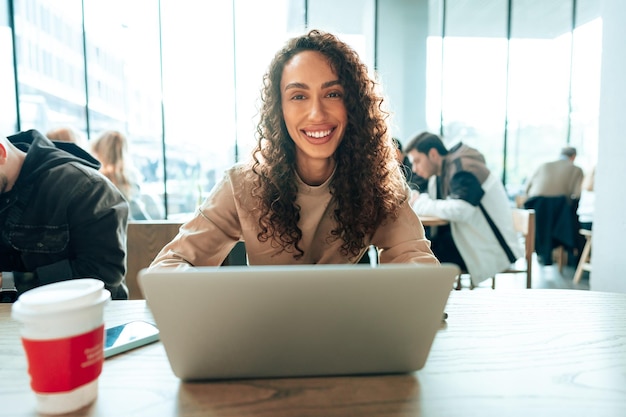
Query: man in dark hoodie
point(60, 218)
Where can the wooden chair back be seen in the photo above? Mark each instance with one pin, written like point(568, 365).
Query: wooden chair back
point(145, 239)
point(585, 257)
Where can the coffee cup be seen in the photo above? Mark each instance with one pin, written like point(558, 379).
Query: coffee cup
point(62, 331)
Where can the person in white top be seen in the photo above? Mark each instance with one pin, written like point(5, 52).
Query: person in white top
point(481, 238)
point(587, 202)
point(322, 184)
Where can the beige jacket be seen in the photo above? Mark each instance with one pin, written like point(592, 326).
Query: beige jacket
point(228, 215)
point(556, 178)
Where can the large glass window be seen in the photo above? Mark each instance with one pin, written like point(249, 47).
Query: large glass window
point(473, 99)
point(50, 64)
point(199, 99)
point(124, 86)
point(586, 60)
point(8, 116)
point(434, 63)
point(543, 85)
point(351, 20)
point(539, 84)
point(182, 78)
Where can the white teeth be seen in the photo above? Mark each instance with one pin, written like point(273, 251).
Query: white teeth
point(318, 134)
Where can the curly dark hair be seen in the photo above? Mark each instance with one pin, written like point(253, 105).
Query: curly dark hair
point(367, 186)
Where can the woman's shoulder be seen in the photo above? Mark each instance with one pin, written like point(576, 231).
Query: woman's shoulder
point(239, 173)
point(239, 181)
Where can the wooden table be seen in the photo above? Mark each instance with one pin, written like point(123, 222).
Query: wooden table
point(502, 353)
point(432, 221)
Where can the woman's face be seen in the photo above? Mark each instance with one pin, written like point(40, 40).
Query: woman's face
point(313, 106)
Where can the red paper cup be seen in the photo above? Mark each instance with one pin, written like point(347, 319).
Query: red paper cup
point(63, 337)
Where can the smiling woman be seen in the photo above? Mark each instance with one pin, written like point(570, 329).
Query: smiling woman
point(322, 184)
point(315, 114)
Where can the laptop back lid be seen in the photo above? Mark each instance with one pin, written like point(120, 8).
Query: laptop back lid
point(285, 321)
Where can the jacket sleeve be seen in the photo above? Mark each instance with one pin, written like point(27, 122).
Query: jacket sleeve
point(403, 240)
point(97, 217)
point(465, 194)
point(209, 236)
point(577, 183)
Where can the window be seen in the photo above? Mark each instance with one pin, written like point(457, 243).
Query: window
point(539, 82)
point(586, 60)
point(8, 116)
point(46, 101)
point(473, 96)
point(542, 84)
point(182, 78)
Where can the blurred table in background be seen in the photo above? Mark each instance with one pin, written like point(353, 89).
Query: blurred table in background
point(429, 221)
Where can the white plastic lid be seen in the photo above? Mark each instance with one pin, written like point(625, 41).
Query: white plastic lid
point(60, 297)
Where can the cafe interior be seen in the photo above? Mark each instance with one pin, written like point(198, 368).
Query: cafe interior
point(517, 80)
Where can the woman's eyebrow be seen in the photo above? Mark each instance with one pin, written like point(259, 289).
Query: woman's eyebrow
point(296, 85)
point(330, 83)
point(306, 87)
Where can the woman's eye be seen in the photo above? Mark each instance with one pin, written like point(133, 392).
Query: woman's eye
point(298, 97)
point(335, 94)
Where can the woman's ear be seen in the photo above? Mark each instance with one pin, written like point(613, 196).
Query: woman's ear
point(3, 153)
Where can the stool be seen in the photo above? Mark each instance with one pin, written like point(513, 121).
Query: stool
point(585, 258)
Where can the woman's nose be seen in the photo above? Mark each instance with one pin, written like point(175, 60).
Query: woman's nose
point(317, 110)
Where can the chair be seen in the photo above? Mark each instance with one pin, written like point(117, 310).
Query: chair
point(585, 257)
point(524, 223)
point(144, 240)
point(555, 226)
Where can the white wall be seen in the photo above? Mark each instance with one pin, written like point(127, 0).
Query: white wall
point(609, 223)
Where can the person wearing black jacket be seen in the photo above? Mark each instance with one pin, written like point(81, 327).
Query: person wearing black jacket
point(60, 218)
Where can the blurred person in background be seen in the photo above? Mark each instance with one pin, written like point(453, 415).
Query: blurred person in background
point(553, 191)
point(556, 178)
point(111, 149)
point(587, 201)
point(66, 134)
point(480, 238)
point(415, 181)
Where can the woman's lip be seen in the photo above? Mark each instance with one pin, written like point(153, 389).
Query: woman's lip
point(319, 129)
point(320, 140)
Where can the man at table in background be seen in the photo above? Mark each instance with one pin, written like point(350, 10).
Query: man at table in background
point(553, 191)
point(480, 238)
point(59, 217)
point(556, 178)
point(415, 181)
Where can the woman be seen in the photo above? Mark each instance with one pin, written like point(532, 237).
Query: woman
point(111, 149)
point(322, 184)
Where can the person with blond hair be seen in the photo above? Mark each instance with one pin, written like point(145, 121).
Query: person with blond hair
point(111, 149)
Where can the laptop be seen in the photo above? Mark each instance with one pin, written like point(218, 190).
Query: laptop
point(293, 321)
